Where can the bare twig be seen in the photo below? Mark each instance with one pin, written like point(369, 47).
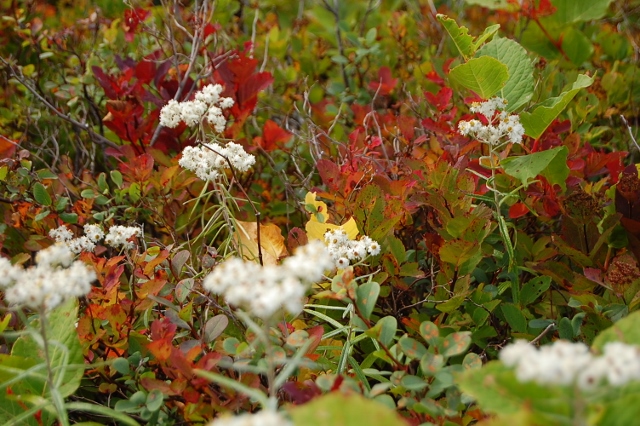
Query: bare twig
point(96, 137)
point(544, 332)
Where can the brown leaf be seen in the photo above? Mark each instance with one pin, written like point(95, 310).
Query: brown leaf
point(271, 241)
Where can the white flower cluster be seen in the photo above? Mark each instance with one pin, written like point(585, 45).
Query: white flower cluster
point(207, 160)
point(207, 103)
point(343, 250)
point(567, 363)
point(500, 125)
point(118, 236)
point(261, 418)
point(55, 278)
point(264, 290)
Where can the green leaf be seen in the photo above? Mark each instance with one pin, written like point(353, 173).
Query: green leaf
point(155, 398)
point(464, 255)
point(569, 11)
point(411, 347)
point(65, 350)
point(465, 43)
point(69, 217)
point(484, 76)
point(497, 390)
point(576, 46)
point(121, 365)
point(552, 164)
point(565, 329)
point(518, 89)
point(456, 343)
point(493, 4)
point(515, 318)
point(533, 289)
point(339, 408)
point(431, 363)
point(430, 332)
point(366, 297)
point(536, 123)
point(627, 330)
point(384, 331)
point(413, 383)
point(116, 177)
point(41, 195)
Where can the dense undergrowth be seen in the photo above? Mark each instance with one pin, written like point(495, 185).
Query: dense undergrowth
point(323, 212)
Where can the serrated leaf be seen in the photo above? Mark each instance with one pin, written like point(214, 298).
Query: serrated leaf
point(465, 43)
point(536, 123)
point(41, 195)
point(366, 297)
point(484, 76)
point(552, 164)
point(518, 89)
point(215, 327)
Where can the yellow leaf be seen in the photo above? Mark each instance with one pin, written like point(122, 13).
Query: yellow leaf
point(316, 230)
point(318, 209)
point(271, 241)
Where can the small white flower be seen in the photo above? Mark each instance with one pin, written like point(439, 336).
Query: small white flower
point(120, 236)
point(61, 234)
point(171, 114)
point(93, 232)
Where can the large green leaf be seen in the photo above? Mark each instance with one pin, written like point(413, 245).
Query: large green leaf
point(13, 368)
point(568, 11)
point(552, 164)
point(576, 46)
point(486, 76)
point(497, 390)
point(627, 330)
point(465, 43)
point(64, 347)
point(493, 4)
point(536, 123)
point(340, 409)
point(519, 87)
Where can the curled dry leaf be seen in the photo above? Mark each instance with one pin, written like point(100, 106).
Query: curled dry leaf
point(271, 241)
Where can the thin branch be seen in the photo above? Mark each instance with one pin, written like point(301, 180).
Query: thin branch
point(96, 137)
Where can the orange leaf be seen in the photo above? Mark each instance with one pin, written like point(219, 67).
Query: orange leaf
point(271, 241)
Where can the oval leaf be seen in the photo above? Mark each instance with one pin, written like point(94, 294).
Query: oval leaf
point(41, 195)
point(485, 76)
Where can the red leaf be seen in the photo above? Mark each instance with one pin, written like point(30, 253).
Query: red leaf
point(132, 18)
point(7, 147)
point(273, 136)
point(109, 86)
point(385, 83)
point(441, 100)
point(517, 210)
point(145, 71)
point(140, 168)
